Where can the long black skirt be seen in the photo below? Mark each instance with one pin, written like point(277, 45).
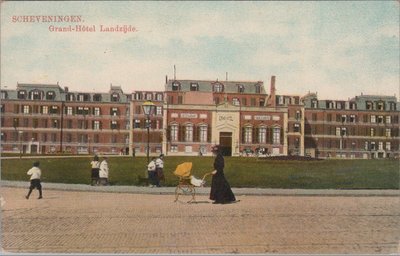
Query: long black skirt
point(221, 191)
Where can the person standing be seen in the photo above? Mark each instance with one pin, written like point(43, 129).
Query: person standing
point(160, 169)
point(95, 170)
point(152, 173)
point(221, 192)
point(35, 174)
point(103, 172)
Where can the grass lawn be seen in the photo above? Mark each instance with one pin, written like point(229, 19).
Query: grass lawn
point(240, 172)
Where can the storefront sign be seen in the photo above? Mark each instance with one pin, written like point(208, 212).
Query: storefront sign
point(188, 115)
point(262, 117)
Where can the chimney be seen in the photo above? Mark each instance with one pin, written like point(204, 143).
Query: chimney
point(166, 79)
point(272, 92)
point(66, 89)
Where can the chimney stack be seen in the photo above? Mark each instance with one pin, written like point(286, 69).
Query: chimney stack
point(272, 92)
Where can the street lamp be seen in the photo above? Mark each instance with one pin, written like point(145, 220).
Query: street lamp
point(20, 143)
point(148, 109)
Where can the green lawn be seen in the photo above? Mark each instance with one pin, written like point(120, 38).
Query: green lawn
point(240, 172)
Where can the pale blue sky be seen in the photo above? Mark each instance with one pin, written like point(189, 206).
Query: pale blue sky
point(338, 49)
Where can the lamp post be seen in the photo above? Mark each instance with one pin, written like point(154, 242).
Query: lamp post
point(20, 143)
point(148, 109)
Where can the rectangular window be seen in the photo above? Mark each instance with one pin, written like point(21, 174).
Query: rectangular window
point(252, 102)
point(329, 117)
point(337, 131)
point(388, 146)
point(26, 109)
point(69, 110)
point(45, 110)
point(262, 135)
point(372, 132)
point(248, 132)
point(373, 119)
point(388, 119)
point(136, 124)
point(314, 116)
point(96, 125)
point(114, 111)
point(276, 135)
point(296, 127)
point(180, 99)
point(380, 145)
point(174, 148)
point(174, 133)
point(96, 111)
point(380, 119)
point(388, 132)
point(344, 118)
point(203, 133)
point(114, 124)
point(352, 118)
point(159, 111)
point(189, 133)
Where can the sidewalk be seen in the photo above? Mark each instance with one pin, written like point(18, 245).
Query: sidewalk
point(206, 190)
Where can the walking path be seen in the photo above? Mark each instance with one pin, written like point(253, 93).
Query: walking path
point(77, 218)
point(206, 190)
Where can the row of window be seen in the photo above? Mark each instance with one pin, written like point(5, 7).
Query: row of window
point(374, 119)
point(369, 105)
point(96, 111)
point(69, 124)
point(353, 131)
point(216, 87)
point(68, 137)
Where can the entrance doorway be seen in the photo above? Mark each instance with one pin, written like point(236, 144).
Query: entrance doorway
point(225, 142)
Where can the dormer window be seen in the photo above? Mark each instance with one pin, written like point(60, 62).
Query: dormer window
point(218, 87)
point(3, 95)
point(258, 88)
point(83, 97)
point(21, 95)
point(194, 87)
point(314, 103)
point(380, 105)
point(49, 95)
point(97, 97)
point(369, 105)
point(176, 86)
point(70, 97)
point(240, 88)
point(114, 97)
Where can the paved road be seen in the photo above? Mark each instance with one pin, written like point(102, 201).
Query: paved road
point(68, 221)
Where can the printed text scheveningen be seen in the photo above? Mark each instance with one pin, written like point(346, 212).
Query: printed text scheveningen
point(46, 18)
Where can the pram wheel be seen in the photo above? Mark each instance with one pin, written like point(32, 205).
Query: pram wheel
point(185, 188)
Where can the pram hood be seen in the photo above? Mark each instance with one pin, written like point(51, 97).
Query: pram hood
point(183, 169)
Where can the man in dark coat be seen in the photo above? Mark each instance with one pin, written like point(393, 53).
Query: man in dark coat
point(221, 192)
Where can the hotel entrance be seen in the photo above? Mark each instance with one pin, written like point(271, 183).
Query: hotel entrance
point(225, 142)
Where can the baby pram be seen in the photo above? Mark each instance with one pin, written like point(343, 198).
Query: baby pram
point(187, 182)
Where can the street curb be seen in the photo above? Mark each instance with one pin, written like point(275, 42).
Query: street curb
point(206, 190)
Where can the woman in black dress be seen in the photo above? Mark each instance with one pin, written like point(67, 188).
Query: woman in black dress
point(221, 192)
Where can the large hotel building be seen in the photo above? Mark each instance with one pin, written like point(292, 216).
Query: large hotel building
point(191, 116)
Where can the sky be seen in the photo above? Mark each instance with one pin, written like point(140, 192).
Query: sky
point(336, 49)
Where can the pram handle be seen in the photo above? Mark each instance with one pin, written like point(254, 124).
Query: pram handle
point(205, 175)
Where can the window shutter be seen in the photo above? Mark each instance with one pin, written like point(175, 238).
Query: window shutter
point(281, 134)
point(209, 133)
point(243, 135)
point(195, 133)
point(168, 133)
point(254, 135)
point(180, 133)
